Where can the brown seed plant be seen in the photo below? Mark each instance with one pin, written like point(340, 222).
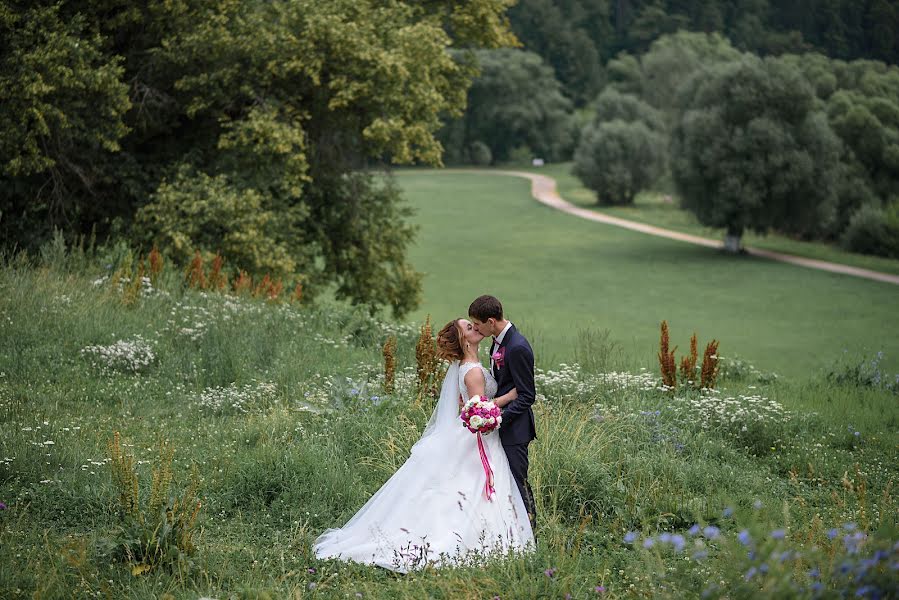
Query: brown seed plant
point(688, 363)
point(164, 531)
point(217, 280)
point(156, 264)
point(389, 351)
point(666, 359)
point(427, 361)
point(709, 366)
point(195, 276)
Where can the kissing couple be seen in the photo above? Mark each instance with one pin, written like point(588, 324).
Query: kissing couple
point(435, 509)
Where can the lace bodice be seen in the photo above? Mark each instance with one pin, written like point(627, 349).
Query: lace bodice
point(490, 382)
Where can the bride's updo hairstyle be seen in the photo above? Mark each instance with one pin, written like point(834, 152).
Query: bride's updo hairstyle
point(449, 341)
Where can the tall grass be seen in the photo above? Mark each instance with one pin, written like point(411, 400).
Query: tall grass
point(280, 411)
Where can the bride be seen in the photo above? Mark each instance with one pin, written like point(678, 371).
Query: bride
point(434, 509)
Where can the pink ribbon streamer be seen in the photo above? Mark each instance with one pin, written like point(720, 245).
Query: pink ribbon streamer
point(488, 471)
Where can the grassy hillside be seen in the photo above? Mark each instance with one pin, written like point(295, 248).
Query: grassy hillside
point(558, 275)
point(275, 413)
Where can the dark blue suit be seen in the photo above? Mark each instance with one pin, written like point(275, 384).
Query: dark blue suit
point(518, 427)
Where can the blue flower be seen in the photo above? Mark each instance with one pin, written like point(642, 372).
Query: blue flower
point(678, 541)
point(629, 537)
point(700, 555)
point(728, 512)
point(693, 530)
point(354, 392)
point(750, 573)
point(649, 542)
point(849, 526)
point(784, 556)
point(665, 538)
point(374, 398)
point(711, 532)
point(763, 568)
point(757, 505)
point(744, 537)
point(814, 573)
point(832, 533)
point(778, 534)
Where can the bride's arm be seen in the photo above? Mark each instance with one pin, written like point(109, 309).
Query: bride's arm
point(501, 401)
point(474, 383)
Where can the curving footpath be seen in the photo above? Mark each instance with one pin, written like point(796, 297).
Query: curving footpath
point(543, 189)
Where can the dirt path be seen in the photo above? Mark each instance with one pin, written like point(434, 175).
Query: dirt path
point(543, 189)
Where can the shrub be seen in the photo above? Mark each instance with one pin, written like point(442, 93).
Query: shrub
point(870, 231)
point(480, 154)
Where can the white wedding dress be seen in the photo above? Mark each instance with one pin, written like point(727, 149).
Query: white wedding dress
point(434, 510)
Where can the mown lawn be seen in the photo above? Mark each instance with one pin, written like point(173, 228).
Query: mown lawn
point(557, 275)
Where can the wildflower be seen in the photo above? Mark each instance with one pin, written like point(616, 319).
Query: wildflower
point(665, 538)
point(814, 573)
point(711, 532)
point(728, 512)
point(849, 526)
point(600, 589)
point(549, 572)
point(359, 595)
point(700, 555)
point(778, 534)
point(2, 506)
point(312, 585)
point(757, 505)
point(784, 556)
point(311, 571)
point(649, 542)
point(678, 541)
point(750, 573)
point(763, 568)
point(629, 537)
point(567, 596)
point(744, 537)
point(693, 530)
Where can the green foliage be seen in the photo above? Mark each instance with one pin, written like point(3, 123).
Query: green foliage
point(479, 154)
point(751, 151)
point(109, 109)
point(196, 211)
point(612, 104)
point(617, 159)
point(515, 101)
point(873, 231)
point(62, 108)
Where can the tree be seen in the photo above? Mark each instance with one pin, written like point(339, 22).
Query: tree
point(617, 159)
point(515, 101)
point(751, 151)
point(131, 108)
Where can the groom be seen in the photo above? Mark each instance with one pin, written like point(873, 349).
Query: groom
point(512, 361)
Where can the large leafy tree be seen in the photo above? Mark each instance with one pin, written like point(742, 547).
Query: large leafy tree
point(515, 102)
point(752, 151)
point(169, 110)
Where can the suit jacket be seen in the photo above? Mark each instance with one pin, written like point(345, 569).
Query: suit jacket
point(517, 371)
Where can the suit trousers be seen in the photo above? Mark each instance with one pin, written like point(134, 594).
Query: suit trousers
point(518, 463)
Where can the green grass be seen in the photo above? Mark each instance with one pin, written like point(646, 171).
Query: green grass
point(293, 459)
point(650, 207)
point(558, 275)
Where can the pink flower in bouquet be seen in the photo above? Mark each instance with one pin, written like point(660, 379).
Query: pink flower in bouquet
point(481, 415)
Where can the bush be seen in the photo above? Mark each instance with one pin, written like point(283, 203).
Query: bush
point(870, 231)
point(619, 159)
point(480, 154)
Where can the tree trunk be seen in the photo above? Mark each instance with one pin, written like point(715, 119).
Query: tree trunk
point(732, 242)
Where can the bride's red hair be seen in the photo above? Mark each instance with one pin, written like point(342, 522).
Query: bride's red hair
point(449, 341)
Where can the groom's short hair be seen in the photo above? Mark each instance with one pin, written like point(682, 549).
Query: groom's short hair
point(486, 307)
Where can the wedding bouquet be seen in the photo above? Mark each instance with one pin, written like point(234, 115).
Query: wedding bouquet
point(481, 415)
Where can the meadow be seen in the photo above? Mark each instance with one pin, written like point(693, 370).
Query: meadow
point(272, 415)
point(558, 275)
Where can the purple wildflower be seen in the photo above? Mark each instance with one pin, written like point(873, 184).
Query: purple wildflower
point(600, 589)
point(549, 572)
point(728, 512)
point(629, 537)
point(649, 542)
point(678, 541)
point(832, 533)
point(778, 534)
point(744, 538)
point(693, 530)
point(750, 573)
point(311, 571)
point(711, 532)
point(2, 506)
